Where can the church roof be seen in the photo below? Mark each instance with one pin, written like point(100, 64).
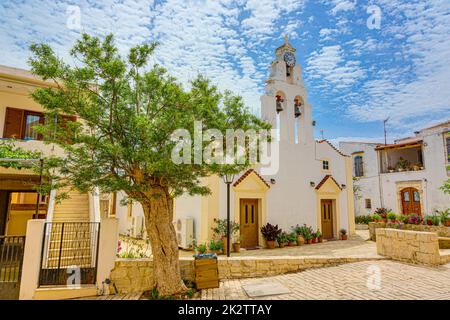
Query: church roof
point(328, 176)
point(246, 174)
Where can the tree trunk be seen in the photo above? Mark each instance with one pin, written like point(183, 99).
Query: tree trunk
point(158, 213)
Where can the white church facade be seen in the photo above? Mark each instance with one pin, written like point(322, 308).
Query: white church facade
point(313, 184)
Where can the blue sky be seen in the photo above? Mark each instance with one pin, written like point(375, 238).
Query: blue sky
point(356, 76)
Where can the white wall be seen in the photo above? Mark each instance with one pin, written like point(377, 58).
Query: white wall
point(369, 183)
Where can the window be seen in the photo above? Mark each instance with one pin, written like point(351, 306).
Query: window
point(325, 165)
point(359, 170)
point(130, 208)
point(448, 148)
point(368, 203)
point(20, 123)
point(32, 119)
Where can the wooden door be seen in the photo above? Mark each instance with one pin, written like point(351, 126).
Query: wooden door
point(410, 201)
point(249, 223)
point(327, 219)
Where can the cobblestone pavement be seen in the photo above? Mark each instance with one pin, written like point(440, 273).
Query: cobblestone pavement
point(354, 281)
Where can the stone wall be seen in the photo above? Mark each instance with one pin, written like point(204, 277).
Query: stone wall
point(441, 231)
point(134, 275)
point(409, 246)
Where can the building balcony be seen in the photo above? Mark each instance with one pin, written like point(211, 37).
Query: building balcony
point(406, 156)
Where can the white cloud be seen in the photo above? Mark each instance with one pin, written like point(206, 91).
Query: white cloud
point(329, 65)
point(342, 5)
point(420, 93)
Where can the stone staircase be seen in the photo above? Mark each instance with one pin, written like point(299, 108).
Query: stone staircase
point(74, 209)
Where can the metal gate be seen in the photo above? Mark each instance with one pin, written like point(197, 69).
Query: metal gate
point(11, 260)
point(69, 253)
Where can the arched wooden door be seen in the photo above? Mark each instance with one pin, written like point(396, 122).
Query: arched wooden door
point(410, 201)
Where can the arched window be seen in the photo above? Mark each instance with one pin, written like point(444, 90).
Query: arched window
point(359, 169)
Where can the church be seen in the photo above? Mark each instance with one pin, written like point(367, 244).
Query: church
point(313, 184)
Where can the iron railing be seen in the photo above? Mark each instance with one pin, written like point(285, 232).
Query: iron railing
point(69, 253)
point(11, 257)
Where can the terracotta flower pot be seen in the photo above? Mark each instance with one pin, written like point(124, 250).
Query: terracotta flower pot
point(270, 244)
point(236, 247)
point(320, 239)
point(344, 237)
point(282, 244)
point(292, 243)
point(300, 240)
point(447, 223)
point(309, 241)
point(314, 240)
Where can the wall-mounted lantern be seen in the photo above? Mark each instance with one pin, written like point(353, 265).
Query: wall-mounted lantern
point(312, 184)
point(343, 186)
point(297, 105)
point(279, 103)
point(273, 181)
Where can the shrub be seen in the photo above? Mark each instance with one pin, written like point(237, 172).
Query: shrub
point(282, 237)
point(376, 217)
point(363, 219)
point(201, 248)
point(270, 232)
point(215, 245)
point(391, 216)
point(414, 219)
point(432, 220)
point(220, 229)
point(382, 212)
point(443, 215)
point(292, 237)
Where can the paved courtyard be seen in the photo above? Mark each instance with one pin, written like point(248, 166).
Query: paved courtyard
point(354, 281)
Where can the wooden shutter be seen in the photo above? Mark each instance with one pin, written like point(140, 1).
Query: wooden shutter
point(13, 123)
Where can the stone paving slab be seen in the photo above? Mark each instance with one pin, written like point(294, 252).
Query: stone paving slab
point(353, 281)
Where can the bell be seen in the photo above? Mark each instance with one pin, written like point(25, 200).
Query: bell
point(297, 111)
point(279, 106)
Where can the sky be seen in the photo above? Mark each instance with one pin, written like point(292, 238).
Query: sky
point(362, 61)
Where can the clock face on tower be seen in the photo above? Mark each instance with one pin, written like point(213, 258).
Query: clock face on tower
point(289, 58)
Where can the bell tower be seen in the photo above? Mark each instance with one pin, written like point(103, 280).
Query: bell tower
point(284, 103)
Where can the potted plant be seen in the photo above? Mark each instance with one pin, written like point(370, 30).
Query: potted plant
point(299, 232)
point(216, 246)
point(314, 237)
point(270, 234)
point(319, 236)
point(292, 239)
point(236, 238)
point(201, 248)
point(382, 212)
point(402, 164)
point(343, 234)
point(391, 216)
point(391, 169)
point(444, 217)
point(415, 219)
point(308, 234)
point(220, 231)
point(282, 239)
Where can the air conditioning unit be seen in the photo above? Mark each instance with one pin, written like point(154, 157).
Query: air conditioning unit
point(137, 226)
point(185, 232)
